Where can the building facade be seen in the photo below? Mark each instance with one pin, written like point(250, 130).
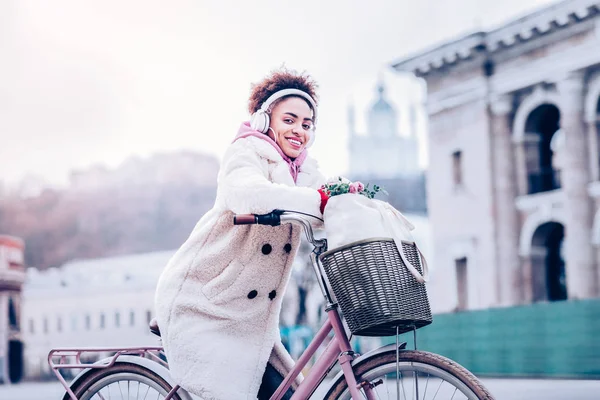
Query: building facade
point(12, 277)
point(103, 302)
point(513, 182)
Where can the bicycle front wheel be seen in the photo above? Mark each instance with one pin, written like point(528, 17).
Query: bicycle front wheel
point(122, 381)
point(418, 375)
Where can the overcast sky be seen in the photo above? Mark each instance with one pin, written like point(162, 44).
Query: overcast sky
point(87, 82)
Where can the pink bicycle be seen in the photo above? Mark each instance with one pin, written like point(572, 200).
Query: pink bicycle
point(373, 291)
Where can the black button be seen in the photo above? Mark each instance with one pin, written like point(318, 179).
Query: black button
point(266, 249)
point(287, 248)
point(272, 294)
point(252, 294)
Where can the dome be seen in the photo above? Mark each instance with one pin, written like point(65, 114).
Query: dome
point(382, 120)
point(381, 105)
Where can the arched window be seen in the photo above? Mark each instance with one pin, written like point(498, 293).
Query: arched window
point(541, 125)
point(548, 263)
point(13, 321)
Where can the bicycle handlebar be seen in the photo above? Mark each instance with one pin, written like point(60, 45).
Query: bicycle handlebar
point(273, 218)
point(276, 217)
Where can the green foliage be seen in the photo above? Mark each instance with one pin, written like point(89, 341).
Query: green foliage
point(341, 186)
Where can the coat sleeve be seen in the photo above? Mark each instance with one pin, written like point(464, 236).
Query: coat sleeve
point(244, 188)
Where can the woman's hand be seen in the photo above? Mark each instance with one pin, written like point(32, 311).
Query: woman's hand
point(324, 198)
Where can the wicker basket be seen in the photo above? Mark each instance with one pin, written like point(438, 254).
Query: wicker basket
point(374, 289)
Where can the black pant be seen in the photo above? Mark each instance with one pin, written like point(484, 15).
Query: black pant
point(270, 382)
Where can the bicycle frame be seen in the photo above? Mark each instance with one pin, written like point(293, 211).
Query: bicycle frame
point(338, 349)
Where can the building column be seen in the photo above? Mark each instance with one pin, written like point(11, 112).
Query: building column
point(521, 166)
point(527, 282)
point(580, 258)
point(593, 150)
point(508, 266)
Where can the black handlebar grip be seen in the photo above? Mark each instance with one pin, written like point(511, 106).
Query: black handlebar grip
point(272, 219)
point(244, 219)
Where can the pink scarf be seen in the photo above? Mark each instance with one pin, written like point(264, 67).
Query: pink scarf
point(294, 164)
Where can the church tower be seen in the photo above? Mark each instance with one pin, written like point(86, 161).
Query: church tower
point(382, 152)
point(382, 119)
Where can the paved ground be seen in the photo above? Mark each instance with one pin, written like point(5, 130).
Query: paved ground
point(503, 389)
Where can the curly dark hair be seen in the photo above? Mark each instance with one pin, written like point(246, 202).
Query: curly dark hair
point(277, 80)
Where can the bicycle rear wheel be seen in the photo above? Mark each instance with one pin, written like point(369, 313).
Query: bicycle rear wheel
point(122, 381)
point(421, 376)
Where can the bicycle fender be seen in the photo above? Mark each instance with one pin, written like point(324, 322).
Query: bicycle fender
point(366, 356)
point(142, 362)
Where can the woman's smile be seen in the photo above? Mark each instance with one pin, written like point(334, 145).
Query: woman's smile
point(297, 144)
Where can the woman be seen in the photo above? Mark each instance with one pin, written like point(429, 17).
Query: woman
point(218, 300)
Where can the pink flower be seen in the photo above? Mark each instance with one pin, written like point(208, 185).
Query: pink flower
point(353, 188)
point(359, 186)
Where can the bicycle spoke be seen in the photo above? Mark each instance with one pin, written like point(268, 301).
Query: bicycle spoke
point(455, 389)
point(438, 389)
point(387, 387)
point(120, 390)
point(147, 390)
point(426, 384)
point(417, 384)
point(403, 390)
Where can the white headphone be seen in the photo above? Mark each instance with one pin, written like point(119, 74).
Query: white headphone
point(260, 119)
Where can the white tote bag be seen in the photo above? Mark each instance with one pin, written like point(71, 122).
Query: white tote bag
point(352, 217)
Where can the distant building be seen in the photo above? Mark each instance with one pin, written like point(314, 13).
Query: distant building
point(383, 157)
point(382, 152)
point(103, 302)
point(12, 276)
point(513, 181)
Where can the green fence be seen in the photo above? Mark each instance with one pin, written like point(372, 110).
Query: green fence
point(560, 339)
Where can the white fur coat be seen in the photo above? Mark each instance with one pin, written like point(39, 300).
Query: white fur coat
point(219, 298)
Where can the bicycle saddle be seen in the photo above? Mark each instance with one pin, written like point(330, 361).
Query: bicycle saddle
point(154, 327)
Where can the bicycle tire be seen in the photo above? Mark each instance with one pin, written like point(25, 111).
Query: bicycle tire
point(411, 360)
point(99, 379)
